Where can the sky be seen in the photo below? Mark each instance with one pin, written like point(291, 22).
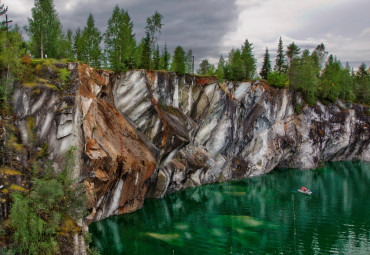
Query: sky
point(213, 27)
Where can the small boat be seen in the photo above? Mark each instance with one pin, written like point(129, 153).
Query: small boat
point(307, 191)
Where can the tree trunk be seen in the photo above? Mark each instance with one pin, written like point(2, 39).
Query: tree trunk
point(42, 47)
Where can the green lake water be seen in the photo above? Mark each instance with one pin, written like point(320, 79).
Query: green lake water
point(260, 215)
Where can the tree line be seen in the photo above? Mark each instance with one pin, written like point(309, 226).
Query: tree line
point(316, 74)
point(120, 50)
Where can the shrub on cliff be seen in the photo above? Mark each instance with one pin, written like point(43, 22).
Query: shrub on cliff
point(38, 217)
point(278, 80)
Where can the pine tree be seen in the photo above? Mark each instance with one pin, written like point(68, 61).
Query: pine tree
point(145, 56)
point(178, 61)
point(280, 58)
point(330, 80)
point(120, 41)
point(44, 29)
point(249, 62)
point(90, 43)
point(220, 71)
point(166, 58)
point(292, 52)
point(189, 62)
point(77, 44)
point(266, 67)
point(205, 68)
point(2, 12)
point(2, 9)
point(156, 58)
point(362, 85)
point(305, 76)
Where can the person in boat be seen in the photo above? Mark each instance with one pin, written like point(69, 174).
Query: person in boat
point(304, 189)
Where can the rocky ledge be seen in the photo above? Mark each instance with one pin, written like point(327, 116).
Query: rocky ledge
point(144, 134)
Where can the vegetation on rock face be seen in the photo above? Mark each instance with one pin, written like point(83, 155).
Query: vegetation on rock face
point(38, 217)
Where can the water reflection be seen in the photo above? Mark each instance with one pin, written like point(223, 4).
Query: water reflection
point(265, 214)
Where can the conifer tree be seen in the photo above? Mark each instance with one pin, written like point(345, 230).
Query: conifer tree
point(266, 67)
point(362, 85)
point(292, 52)
point(120, 41)
point(156, 58)
point(2, 12)
point(220, 71)
point(145, 56)
point(77, 44)
point(205, 68)
point(165, 58)
point(2, 9)
point(249, 62)
point(280, 58)
point(189, 62)
point(44, 29)
point(305, 76)
point(178, 61)
point(90, 43)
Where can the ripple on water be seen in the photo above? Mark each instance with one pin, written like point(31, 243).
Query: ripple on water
point(261, 215)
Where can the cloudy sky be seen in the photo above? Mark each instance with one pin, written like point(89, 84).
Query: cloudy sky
point(214, 27)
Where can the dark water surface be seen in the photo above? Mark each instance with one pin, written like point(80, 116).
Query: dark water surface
point(259, 215)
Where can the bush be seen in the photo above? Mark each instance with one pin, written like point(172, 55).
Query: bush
point(297, 109)
point(278, 80)
point(36, 217)
point(64, 75)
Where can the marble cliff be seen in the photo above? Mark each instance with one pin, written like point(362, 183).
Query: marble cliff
point(147, 133)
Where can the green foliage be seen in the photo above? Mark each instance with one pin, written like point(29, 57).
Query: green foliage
point(178, 61)
point(164, 61)
point(2, 9)
point(249, 62)
point(234, 68)
point(145, 56)
point(297, 108)
point(120, 41)
point(205, 68)
point(220, 71)
point(44, 30)
point(362, 85)
point(153, 28)
point(266, 67)
point(88, 44)
point(65, 45)
point(278, 80)
point(280, 59)
point(304, 76)
point(189, 62)
point(64, 75)
point(36, 217)
point(93, 251)
point(32, 234)
point(156, 59)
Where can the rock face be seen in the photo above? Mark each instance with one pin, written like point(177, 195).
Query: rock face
point(144, 134)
